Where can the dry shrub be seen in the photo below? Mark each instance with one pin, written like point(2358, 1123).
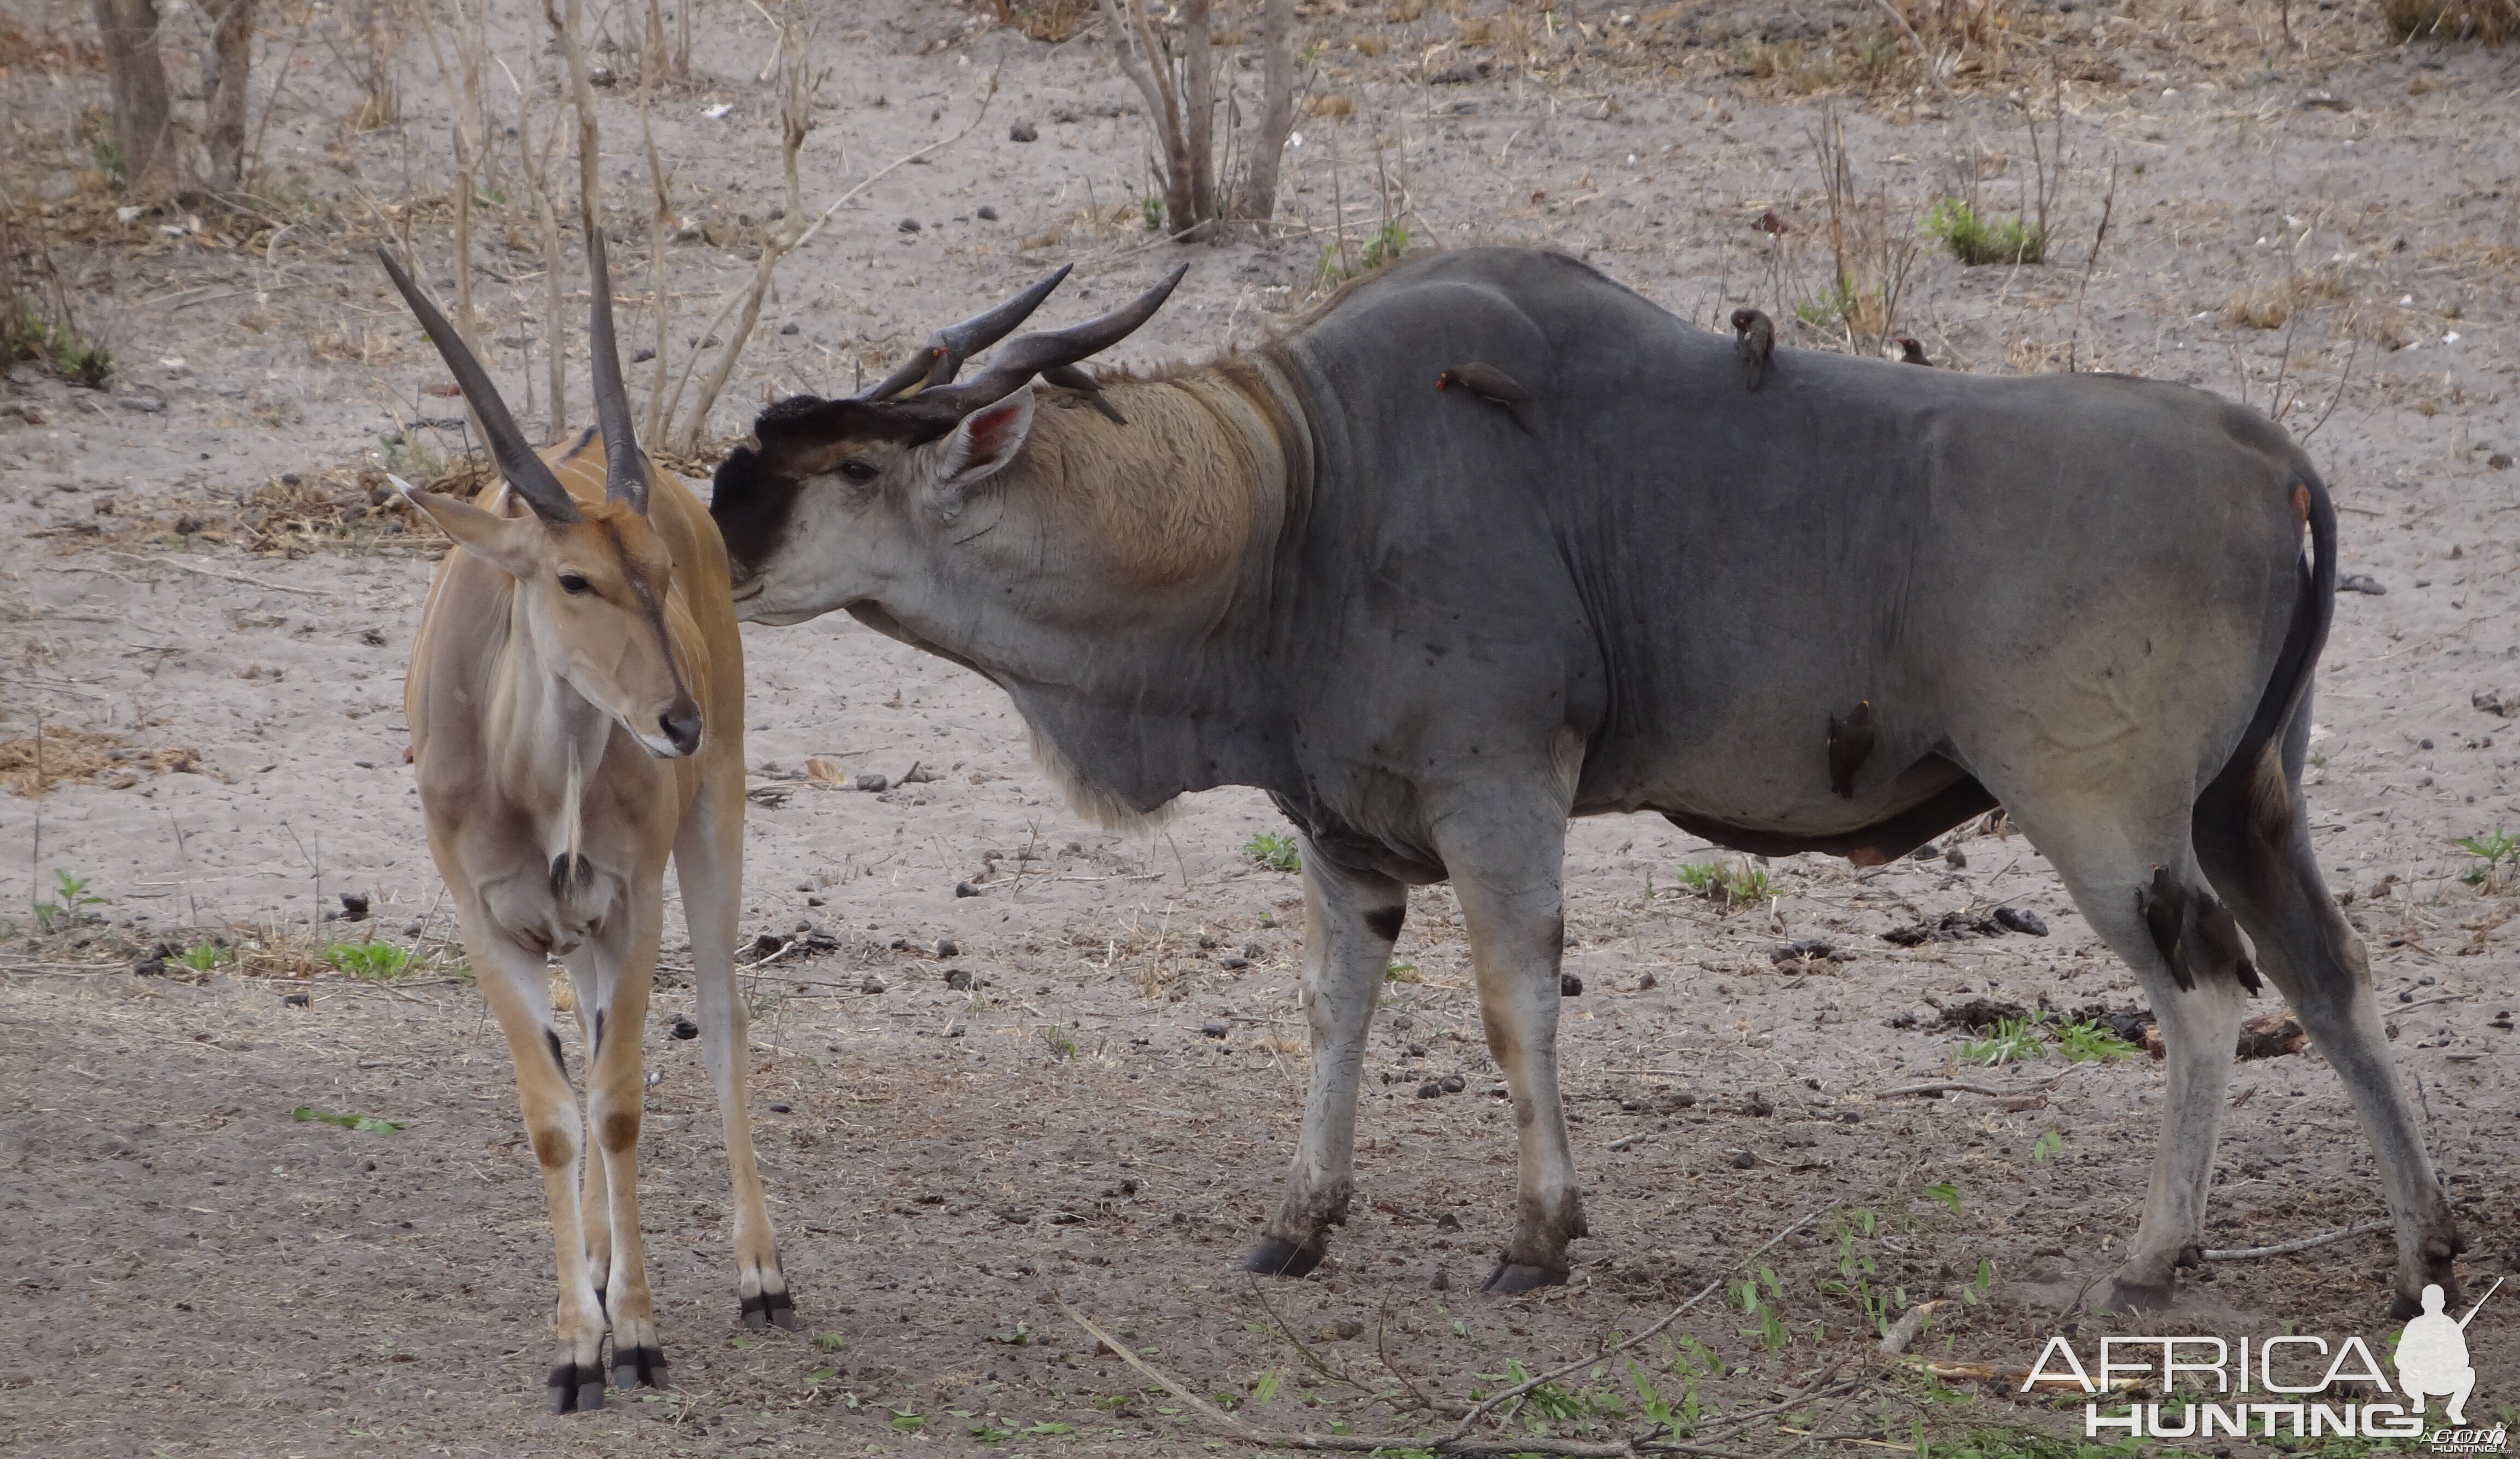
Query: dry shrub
point(2270, 303)
point(103, 758)
point(2492, 22)
point(1052, 21)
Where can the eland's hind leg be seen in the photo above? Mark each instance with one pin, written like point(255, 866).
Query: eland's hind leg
point(2126, 859)
point(1350, 920)
point(2253, 839)
point(708, 860)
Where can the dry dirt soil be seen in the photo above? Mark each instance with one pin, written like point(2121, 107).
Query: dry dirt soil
point(211, 624)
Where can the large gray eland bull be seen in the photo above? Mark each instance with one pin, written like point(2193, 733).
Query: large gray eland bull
point(1842, 612)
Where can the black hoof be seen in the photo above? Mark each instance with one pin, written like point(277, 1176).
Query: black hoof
point(638, 1367)
point(764, 1308)
point(2402, 1306)
point(576, 1388)
point(1511, 1277)
point(1276, 1257)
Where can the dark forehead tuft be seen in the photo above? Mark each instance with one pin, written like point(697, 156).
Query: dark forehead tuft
point(808, 421)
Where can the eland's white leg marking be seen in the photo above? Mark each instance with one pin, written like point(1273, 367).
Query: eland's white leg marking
point(1350, 922)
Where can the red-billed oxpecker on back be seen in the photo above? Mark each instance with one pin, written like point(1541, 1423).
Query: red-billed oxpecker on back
point(1433, 626)
point(576, 700)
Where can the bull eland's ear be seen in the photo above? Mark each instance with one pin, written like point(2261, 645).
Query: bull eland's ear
point(509, 541)
point(979, 447)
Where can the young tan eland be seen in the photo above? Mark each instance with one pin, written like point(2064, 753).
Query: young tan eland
point(576, 702)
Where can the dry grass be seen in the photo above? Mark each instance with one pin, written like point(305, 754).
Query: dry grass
point(2270, 303)
point(105, 757)
point(2492, 22)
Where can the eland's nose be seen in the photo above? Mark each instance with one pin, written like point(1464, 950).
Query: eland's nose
point(682, 727)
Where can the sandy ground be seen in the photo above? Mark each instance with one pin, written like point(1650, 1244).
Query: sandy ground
point(197, 1273)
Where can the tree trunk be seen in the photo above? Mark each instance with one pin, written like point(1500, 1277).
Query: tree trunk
point(1198, 91)
point(232, 64)
point(141, 125)
point(1258, 200)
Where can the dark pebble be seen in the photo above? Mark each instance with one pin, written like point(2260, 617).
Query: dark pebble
point(2500, 461)
point(642, 355)
point(296, 1000)
point(2361, 582)
point(965, 888)
point(1808, 950)
point(1443, 1281)
point(872, 985)
point(1448, 1222)
point(791, 327)
point(777, 1109)
point(1205, 940)
point(1759, 1105)
point(1743, 1160)
point(685, 1029)
point(1213, 1028)
point(1926, 852)
point(987, 215)
point(1570, 985)
point(1431, 1090)
point(2423, 744)
point(1232, 964)
point(1023, 131)
point(871, 783)
point(766, 944)
point(1646, 982)
point(1849, 1117)
point(948, 947)
point(909, 226)
point(959, 980)
point(1455, 1083)
point(149, 966)
point(355, 907)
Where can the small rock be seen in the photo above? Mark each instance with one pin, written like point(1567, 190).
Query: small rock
point(791, 327)
point(947, 947)
point(987, 215)
point(1646, 982)
point(1808, 950)
point(872, 985)
point(1443, 1281)
point(642, 355)
point(779, 1109)
point(1233, 963)
point(1743, 1160)
point(145, 404)
point(965, 888)
point(152, 966)
point(1023, 131)
point(2491, 702)
point(959, 980)
point(2361, 582)
point(1460, 74)
point(1213, 1028)
point(1926, 852)
point(909, 226)
point(1206, 940)
point(1454, 1083)
point(1448, 1222)
point(871, 783)
point(355, 907)
point(2423, 744)
point(1570, 985)
point(1431, 1090)
point(684, 1029)
point(2500, 461)
point(1759, 1105)
point(1849, 1117)
point(2020, 920)
point(1954, 858)
point(296, 1000)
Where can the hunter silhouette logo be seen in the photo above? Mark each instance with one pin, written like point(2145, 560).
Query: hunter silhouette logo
point(2432, 1356)
point(2283, 1384)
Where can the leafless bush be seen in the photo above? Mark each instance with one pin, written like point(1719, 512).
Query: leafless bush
point(2492, 22)
point(1175, 65)
point(1872, 249)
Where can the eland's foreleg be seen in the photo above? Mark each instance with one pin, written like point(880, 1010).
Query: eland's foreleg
point(1350, 921)
point(516, 982)
point(615, 1092)
point(1505, 856)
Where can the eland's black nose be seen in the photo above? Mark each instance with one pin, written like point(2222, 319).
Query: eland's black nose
point(682, 727)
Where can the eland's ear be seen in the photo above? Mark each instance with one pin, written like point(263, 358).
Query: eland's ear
point(509, 541)
point(980, 447)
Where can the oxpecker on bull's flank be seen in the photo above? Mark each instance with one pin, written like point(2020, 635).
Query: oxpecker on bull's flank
point(2095, 602)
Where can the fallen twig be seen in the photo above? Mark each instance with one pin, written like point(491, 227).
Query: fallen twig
point(253, 582)
point(2287, 1249)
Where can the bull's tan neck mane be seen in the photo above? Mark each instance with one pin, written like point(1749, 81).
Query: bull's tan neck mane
point(1177, 496)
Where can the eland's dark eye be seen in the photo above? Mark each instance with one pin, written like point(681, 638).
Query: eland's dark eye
point(572, 582)
point(858, 471)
